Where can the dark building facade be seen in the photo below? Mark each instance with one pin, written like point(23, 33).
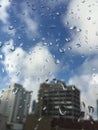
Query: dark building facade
point(73, 125)
point(46, 123)
point(57, 100)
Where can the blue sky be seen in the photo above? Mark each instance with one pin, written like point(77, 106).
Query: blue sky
point(43, 39)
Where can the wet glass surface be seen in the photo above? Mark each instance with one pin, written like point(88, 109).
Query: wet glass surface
point(45, 41)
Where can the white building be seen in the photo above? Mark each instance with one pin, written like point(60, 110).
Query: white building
point(15, 103)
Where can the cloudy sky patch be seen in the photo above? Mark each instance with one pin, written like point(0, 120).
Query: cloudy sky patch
point(28, 68)
point(83, 21)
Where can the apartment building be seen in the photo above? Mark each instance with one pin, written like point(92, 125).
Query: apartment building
point(15, 103)
point(59, 100)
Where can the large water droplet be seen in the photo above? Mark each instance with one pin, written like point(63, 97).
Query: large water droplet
point(12, 48)
point(67, 39)
point(83, 1)
point(88, 18)
point(69, 48)
point(11, 28)
point(50, 44)
point(61, 50)
point(40, 119)
point(72, 27)
point(78, 30)
point(78, 45)
point(57, 61)
point(44, 108)
point(61, 112)
point(45, 43)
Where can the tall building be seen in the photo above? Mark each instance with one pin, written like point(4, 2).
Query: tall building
point(15, 103)
point(34, 106)
point(59, 100)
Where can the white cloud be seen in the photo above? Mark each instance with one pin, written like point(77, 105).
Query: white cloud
point(29, 20)
point(4, 5)
point(82, 15)
point(31, 25)
point(5, 17)
point(29, 68)
point(87, 81)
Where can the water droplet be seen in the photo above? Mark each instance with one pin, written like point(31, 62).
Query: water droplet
point(83, 1)
point(18, 117)
point(12, 48)
point(21, 44)
point(36, 127)
point(96, 33)
point(45, 44)
point(14, 91)
point(57, 13)
point(78, 30)
point(57, 61)
point(89, 18)
point(82, 56)
point(73, 88)
point(67, 39)
point(18, 54)
point(46, 80)
point(33, 8)
point(40, 119)
point(11, 28)
point(69, 48)
point(78, 45)
point(92, 122)
point(61, 50)
point(67, 23)
point(50, 43)
point(63, 87)
point(44, 108)
point(19, 37)
point(20, 106)
point(72, 27)
point(43, 38)
point(62, 112)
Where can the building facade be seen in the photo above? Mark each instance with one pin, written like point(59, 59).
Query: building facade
point(15, 103)
point(59, 100)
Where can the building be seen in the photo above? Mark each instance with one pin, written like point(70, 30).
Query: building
point(3, 122)
point(34, 106)
point(14, 104)
point(97, 108)
point(46, 123)
point(58, 100)
point(74, 125)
